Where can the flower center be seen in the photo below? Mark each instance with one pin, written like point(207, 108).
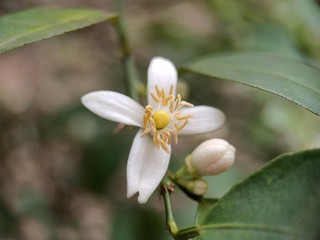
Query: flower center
point(161, 119)
point(165, 118)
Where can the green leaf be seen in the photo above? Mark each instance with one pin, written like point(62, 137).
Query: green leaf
point(36, 24)
point(295, 81)
point(205, 205)
point(280, 201)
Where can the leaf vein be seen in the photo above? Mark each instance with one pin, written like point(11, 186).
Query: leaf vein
point(250, 227)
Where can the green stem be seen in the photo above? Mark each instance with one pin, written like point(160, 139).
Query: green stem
point(181, 172)
point(187, 233)
point(131, 75)
point(166, 188)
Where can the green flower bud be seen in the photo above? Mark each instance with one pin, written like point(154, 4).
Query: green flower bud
point(195, 186)
point(198, 187)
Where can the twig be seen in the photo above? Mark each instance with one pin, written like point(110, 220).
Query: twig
point(131, 76)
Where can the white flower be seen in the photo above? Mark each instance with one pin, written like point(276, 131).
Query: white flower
point(164, 118)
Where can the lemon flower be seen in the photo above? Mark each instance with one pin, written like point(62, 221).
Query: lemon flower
point(161, 122)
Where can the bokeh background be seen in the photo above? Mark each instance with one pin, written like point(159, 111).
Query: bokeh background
point(62, 169)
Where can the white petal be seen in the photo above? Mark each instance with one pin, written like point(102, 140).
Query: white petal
point(115, 107)
point(146, 167)
point(204, 119)
point(135, 161)
point(163, 73)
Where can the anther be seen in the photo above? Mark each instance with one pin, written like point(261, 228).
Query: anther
point(171, 89)
point(176, 114)
point(155, 98)
point(184, 117)
point(184, 103)
point(175, 133)
point(168, 136)
point(169, 99)
point(184, 124)
point(164, 146)
point(145, 132)
point(179, 102)
point(158, 91)
point(156, 141)
point(153, 125)
point(163, 94)
point(172, 105)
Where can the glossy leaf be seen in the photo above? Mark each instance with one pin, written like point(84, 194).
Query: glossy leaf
point(295, 81)
point(281, 201)
point(205, 205)
point(33, 25)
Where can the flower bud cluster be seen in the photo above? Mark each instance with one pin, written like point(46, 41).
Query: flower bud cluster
point(211, 157)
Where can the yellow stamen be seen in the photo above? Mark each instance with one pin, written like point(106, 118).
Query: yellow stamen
point(172, 105)
point(184, 117)
point(156, 140)
point(153, 125)
point(167, 120)
point(155, 98)
point(176, 114)
point(184, 103)
point(171, 89)
point(163, 94)
point(147, 115)
point(175, 133)
point(145, 132)
point(184, 124)
point(179, 102)
point(164, 146)
point(167, 134)
point(171, 97)
point(158, 91)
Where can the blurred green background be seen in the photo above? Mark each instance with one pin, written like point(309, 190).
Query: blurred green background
point(62, 172)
